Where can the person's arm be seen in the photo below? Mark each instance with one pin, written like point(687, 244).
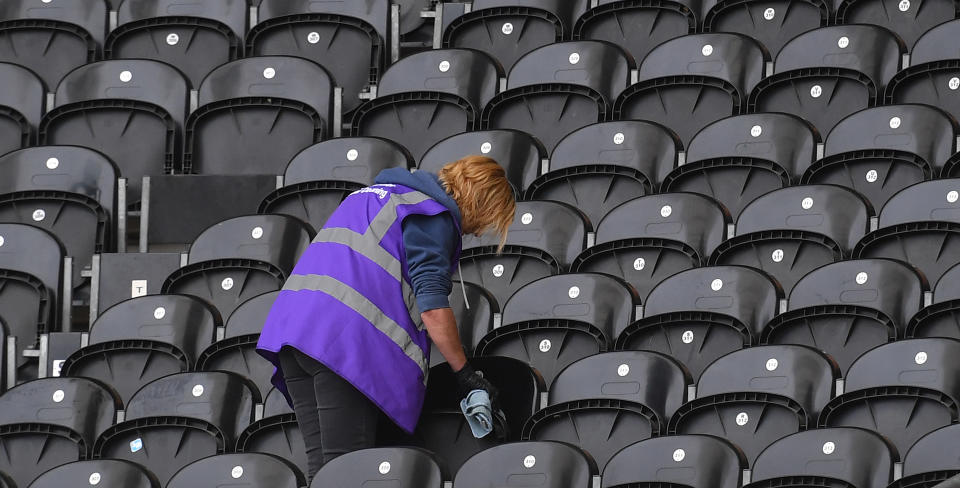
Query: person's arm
point(442, 327)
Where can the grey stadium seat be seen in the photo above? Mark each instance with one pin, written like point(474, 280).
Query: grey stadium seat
point(772, 24)
point(700, 461)
point(253, 469)
point(113, 472)
point(552, 464)
point(651, 23)
point(519, 153)
point(402, 467)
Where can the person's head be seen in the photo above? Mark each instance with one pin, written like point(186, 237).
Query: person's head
point(480, 187)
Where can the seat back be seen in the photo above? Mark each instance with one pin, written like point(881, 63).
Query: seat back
point(935, 45)
point(254, 469)
point(404, 467)
point(734, 58)
point(249, 317)
point(24, 92)
point(90, 15)
point(699, 461)
point(927, 363)
point(932, 452)
point(353, 159)
point(376, 13)
point(948, 288)
point(600, 66)
point(232, 13)
point(466, 73)
point(927, 201)
point(518, 153)
point(79, 404)
point(93, 471)
point(908, 21)
point(565, 11)
point(275, 239)
point(553, 464)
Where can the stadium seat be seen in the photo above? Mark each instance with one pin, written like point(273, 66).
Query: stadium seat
point(700, 461)
point(876, 174)
point(651, 23)
point(427, 97)
point(51, 39)
point(857, 456)
point(21, 106)
point(29, 311)
point(509, 29)
point(644, 377)
point(120, 276)
point(193, 37)
point(825, 74)
point(402, 467)
point(902, 390)
point(240, 258)
point(350, 39)
point(250, 469)
point(103, 105)
point(550, 464)
point(939, 318)
point(49, 422)
point(847, 308)
point(557, 89)
point(732, 181)
point(784, 139)
point(557, 320)
point(778, 391)
point(114, 472)
point(178, 419)
point(688, 82)
point(236, 352)
point(930, 460)
point(174, 330)
point(473, 323)
point(772, 24)
point(934, 72)
point(519, 153)
point(790, 232)
point(909, 21)
point(256, 114)
point(277, 433)
point(503, 273)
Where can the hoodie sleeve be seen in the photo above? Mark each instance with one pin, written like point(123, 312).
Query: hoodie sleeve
point(429, 243)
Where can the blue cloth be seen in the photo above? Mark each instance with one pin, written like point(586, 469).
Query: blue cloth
point(476, 408)
point(429, 241)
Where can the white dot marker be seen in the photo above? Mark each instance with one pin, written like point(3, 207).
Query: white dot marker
point(904, 5)
point(486, 147)
point(665, 211)
point(498, 270)
point(756, 130)
point(742, 419)
point(618, 138)
point(687, 336)
point(227, 283)
point(843, 42)
point(58, 396)
point(573, 292)
point(716, 284)
point(257, 232)
point(39, 214)
point(920, 358)
point(777, 255)
point(197, 390)
point(269, 73)
point(639, 264)
point(871, 176)
point(861, 278)
point(574, 58)
point(1, 241)
point(952, 196)
point(529, 461)
point(173, 39)
point(526, 218)
point(352, 155)
point(769, 14)
point(772, 364)
point(444, 66)
point(94, 478)
point(706, 50)
point(46, 1)
point(53, 163)
point(895, 122)
point(313, 37)
point(678, 455)
point(623, 370)
point(507, 28)
point(806, 203)
point(816, 91)
point(829, 447)
point(954, 83)
point(126, 76)
point(236, 472)
point(159, 313)
point(384, 467)
point(545, 345)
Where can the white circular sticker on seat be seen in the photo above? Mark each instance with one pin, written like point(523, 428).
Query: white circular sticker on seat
point(706, 50)
point(769, 14)
point(806, 203)
point(678, 455)
point(920, 358)
point(742, 419)
point(53, 163)
point(843, 42)
point(573, 292)
point(716, 284)
point(1, 241)
point(39, 214)
point(816, 91)
point(498, 270)
point(444, 66)
point(639, 264)
point(545, 345)
point(574, 58)
point(269, 73)
point(772, 364)
point(954, 83)
point(623, 370)
point(507, 28)
point(618, 138)
point(352, 155)
point(665, 211)
point(862, 278)
point(777, 255)
point(829, 447)
point(687, 336)
point(486, 147)
point(257, 232)
point(197, 390)
point(236, 472)
point(58, 396)
point(872, 176)
point(384, 467)
point(526, 218)
point(895, 122)
point(126, 76)
point(313, 37)
point(94, 479)
point(227, 283)
point(756, 130)
point(952, 196)
point(904, 5)
point(529, 461)
point(173, 38)
point(159, 313)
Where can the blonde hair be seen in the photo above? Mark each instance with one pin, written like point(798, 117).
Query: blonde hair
point(480, 187)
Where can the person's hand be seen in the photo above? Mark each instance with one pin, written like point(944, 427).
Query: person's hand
point(468, 380)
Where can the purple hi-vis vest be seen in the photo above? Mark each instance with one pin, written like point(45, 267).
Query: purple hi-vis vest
point(349, 303)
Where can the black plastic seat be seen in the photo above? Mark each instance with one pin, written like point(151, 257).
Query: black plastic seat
point(909, 21)
point(21, 105)
point(519, 153)
point(651, 23)
point(178, 419)
point(509, 29)
point(825, 74)
point(194, 38)
point(277, 433)
point(933, 68)
point(790, 232)
point(652, 379)
point(877, 174)
point(32, 257)
point(402, 467)
point(551, 464)
point(930, 460)
point(784, 139)
point(771, 23)
point(256, 114)
point(310, 201)
point(502, 274)
point(688, 82)
point(557, 89)
point(860, 457)
point(252, 469)
point(700, 461)
point(472, 323)
point(902, 390)
point(428, 97)
point(171, 332)
point(350, 39)
point(103, 105)
point(114, 472)
point(698, 315)
point(732, 181)
point(49, 422)
point(350, 159)
point(940, 319)
point(847, 308)
point(51, 39)
point(236, 352)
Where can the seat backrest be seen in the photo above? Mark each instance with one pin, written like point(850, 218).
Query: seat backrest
point(224, 399)
point(376, 13)
point(285, 77)
point(745, 294)
point(599, 65)
point(32, 250)
point(566, 10)
point(782, 138)
point(469, 74)
point(250, 316)
point(474, 322)
point(734, 58)
point(645, 146)
point(551, 463)
point(80, 404)
point(834, 211)
point(948, 287)
point(275, 239)
point(933, 452)
point(232, 13)
point(246, 469)
point(800, 373)
point(927, 200)
point(865, 283)
point(275, 404)
point(354, 159)
point(128, 79)
point(919, 129)
point(606, 302)
point(23, 91)
point(937, 44)
point(855, 455)
point(519, 153)
point(650, 378)
point(699, 461)
point(407, 467)
point(115, 472)
point(929, 363)
point(184, 321)
point(91, 15)
point(869, 49)
point(696, 220)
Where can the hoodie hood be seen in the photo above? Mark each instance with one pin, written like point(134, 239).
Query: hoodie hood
point(424, 182)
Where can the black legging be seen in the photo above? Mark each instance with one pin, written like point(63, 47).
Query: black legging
point(334, 417)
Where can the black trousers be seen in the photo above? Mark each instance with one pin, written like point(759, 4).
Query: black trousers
point(334, 417)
